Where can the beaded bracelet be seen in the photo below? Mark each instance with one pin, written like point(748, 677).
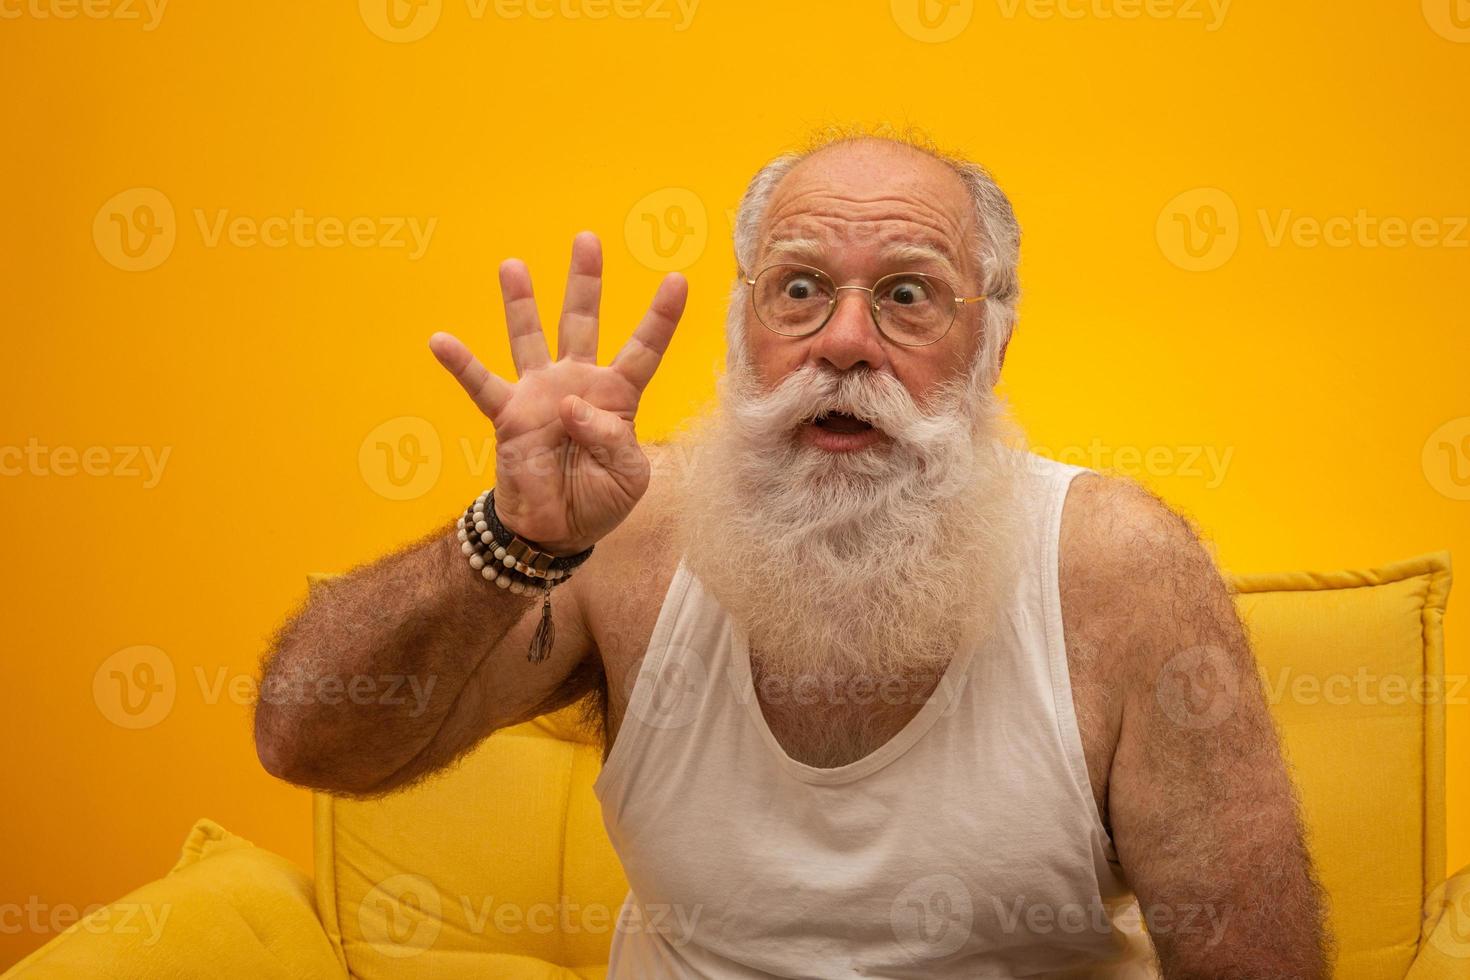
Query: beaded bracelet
point(494, 562)
point(491, 546)
point(515, 564)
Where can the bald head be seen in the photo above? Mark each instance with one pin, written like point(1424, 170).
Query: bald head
point(868, 202)
point(859, 208)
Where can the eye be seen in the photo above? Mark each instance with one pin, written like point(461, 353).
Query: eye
point(801, 287)
point(907, 292)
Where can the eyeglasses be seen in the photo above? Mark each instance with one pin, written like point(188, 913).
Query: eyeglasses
point(909, 308)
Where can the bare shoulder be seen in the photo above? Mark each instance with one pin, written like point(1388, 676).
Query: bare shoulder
point(1127, 558)
point(1130, 567)
point(1115, 528)
point(1139, 584)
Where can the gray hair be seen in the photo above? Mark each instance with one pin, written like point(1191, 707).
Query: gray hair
point(997, 253)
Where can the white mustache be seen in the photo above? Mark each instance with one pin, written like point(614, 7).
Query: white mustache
point(877, 398)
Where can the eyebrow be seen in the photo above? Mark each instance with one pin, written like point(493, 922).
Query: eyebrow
point(809, 251)
point(920, 252)
point(794, 248)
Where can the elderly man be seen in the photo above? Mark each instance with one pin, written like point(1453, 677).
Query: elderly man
point(884, 693)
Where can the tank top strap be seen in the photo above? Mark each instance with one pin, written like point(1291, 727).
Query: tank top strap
point(1056, 482)
point(681, 686)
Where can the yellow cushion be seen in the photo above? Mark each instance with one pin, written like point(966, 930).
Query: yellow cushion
point(1353, 664)
point(502, 867)
point(227, 909)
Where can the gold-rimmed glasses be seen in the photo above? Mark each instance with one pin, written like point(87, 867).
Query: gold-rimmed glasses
point(913, 309)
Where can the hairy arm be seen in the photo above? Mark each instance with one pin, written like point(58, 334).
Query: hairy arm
point(568, 472)
point(1199, 799)
point(396, 669)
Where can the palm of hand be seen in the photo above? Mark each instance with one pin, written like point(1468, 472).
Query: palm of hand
point(568, 465)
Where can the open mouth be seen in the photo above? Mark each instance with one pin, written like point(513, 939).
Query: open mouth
point(841, 422)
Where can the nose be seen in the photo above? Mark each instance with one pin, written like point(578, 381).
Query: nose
point(850, 339)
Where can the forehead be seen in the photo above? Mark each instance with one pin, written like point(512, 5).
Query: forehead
point(869, 197)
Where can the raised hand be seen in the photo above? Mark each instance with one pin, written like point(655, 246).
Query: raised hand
point(568, 468)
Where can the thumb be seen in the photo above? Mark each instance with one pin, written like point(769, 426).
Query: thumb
point(608, 438)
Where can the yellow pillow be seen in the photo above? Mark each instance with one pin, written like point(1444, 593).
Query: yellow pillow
point(1353, 664)
point(227, 909)
point(500, 868)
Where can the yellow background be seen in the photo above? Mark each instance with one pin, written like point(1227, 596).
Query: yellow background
point(1325, 372)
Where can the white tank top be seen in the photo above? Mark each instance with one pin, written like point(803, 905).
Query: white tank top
point(969, 845)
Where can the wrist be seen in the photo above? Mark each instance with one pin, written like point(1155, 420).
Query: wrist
point(559, 547)
point(511, 562)
point(556, 554)
point(506, 558)
point(569, 548)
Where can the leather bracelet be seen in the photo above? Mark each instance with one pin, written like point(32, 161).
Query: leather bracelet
point(538, 557)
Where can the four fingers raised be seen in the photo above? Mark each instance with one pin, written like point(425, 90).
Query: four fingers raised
point(636, 362)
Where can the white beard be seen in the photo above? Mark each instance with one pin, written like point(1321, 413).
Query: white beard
point(869, 564)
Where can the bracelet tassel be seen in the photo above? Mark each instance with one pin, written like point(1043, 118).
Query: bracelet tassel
point(545, 635)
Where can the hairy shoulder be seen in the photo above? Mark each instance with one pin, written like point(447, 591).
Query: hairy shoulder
point(1114, 528)
point(1136, 574)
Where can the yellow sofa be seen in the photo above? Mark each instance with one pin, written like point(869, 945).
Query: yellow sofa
point(501, 868)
